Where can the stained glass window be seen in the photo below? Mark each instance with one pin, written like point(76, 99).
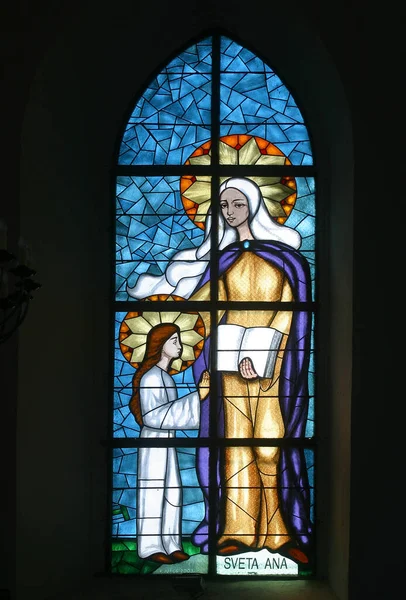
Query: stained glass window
point(215, 302)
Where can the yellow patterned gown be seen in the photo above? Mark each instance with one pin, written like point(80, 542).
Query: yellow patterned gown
point(251, 410)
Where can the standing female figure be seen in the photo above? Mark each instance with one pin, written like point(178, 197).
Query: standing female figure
point(159, 412)
point(265, 496)
point(265, 493)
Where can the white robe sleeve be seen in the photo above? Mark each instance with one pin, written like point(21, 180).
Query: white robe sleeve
point(161, 408)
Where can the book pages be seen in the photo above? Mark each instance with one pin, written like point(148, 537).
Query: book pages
point(260, 344)
point(229, 339)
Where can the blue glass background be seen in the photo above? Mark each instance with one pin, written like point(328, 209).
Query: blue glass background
point(152, 226)
point(172, 117)
point(253, 100)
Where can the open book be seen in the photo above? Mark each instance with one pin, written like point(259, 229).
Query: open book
point(260, 344)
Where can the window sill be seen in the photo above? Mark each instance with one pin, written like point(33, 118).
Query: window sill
point(119, 588)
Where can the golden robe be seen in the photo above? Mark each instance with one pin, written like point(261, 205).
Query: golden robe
point(252, 514)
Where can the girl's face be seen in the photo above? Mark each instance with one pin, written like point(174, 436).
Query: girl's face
point(172, 347)
point(234, 207)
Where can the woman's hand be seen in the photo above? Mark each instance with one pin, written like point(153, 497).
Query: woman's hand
point(204, 385)
point(247, 370)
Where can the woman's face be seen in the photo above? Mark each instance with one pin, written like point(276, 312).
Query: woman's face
point(234, 207)
point(172, 347)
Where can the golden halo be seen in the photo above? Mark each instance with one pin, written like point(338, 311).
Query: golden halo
point(135, 326)
point(279, 193)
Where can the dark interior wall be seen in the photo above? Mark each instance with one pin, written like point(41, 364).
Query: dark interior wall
point(70, 75)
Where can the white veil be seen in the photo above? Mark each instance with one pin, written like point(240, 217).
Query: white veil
point(187, 266)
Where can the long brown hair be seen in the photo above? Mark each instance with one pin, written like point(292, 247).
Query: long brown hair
point(156, 338)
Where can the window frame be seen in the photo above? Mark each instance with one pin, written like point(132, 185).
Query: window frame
point(216, 171)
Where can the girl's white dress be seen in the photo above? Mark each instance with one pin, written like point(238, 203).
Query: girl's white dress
point(159, 491)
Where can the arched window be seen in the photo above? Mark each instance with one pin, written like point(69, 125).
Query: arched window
point(213, 438)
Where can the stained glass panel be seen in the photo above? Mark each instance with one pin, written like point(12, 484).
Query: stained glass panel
point(267, 518)
point(254, 100)
point(157, 504)
point(172, 117)
point(266, 362)
point(161, 229)
point(281, 211)
point(155, 221)
point(131, 335)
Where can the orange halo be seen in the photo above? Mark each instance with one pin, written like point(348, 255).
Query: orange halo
point(135, 334)
point(256, 150)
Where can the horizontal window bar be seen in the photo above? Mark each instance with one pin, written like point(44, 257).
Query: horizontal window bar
point(191, 305)
point(227, 170)
point(202, 442)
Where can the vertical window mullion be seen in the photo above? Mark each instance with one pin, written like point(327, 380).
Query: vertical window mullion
point(214, 399)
